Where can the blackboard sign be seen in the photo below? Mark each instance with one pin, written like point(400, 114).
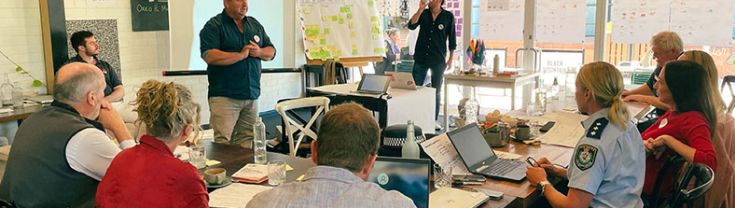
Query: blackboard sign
point(149, 15)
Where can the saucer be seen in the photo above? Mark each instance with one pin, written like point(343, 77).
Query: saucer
point(214, 186)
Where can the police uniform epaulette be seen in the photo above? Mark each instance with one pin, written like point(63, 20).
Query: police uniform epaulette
point(595, 130)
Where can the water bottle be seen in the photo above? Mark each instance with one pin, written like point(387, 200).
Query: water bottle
point(471, 110)
point(6, 90)
point(17, 95)
point(496, 64)
point(410, 148)
point(555, 89)
point(259, 142)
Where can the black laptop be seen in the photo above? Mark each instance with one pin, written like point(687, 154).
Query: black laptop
point(408, 176)
point(373, 84)
point(481, 159)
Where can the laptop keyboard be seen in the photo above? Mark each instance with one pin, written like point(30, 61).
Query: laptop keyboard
point(502, 167)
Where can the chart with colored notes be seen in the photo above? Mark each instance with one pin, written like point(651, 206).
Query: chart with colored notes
point(334, 29)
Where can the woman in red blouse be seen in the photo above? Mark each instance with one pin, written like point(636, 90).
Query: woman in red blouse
point(686, 128)
point(148, 175)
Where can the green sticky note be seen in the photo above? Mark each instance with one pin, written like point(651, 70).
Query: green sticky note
point(323, 41)
point(371, 2)
point(373, 18)
point(341, 20)
point(327, 31)
point(345, 9)
point(349, 15)
point(312, 30)
point(375, 30)
point(379, 50)
point(335, 18)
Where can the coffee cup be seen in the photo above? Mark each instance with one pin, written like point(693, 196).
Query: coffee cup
point(215, 176)
point(523, 132)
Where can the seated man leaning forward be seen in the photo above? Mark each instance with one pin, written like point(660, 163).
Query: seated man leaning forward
point(61, 153)
point(344, 152)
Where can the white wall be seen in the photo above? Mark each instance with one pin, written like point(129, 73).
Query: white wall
point(20, 39)
point(143, 56)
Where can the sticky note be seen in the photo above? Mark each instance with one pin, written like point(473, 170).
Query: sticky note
point(307, 10)
point(300, 178)
point(323, 41)
point(379, 50)
point(212, 162)
point(335, 18)
point(341, 20)
point(353, 34)
point(288, 168)
point(371, 2)
point(373, 18)
point(349, 25)
point(327, 31)
point(349, 15)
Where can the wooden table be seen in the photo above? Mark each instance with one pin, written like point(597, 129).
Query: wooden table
point(19, 114)
point(234, 157)
point(511, 82)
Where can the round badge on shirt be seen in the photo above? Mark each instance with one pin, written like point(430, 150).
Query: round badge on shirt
point(256, 38)
point(663, 123)
point(441, 26)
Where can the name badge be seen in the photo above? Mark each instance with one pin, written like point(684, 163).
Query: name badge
point(441, 26)
point(256, 38)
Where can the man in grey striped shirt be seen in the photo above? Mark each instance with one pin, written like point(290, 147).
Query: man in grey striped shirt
point(344, 152)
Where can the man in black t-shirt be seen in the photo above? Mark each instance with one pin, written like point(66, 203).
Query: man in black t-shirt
point(87, 50)
point(436, 33)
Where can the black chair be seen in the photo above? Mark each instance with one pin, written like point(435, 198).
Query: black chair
point(703, 174)
point(6, 204)
point(671, 169)
point(729, 80)
point(393, 138)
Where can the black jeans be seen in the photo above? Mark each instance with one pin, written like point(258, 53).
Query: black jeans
point(437, 77)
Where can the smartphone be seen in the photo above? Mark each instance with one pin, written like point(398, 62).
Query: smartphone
point(532, 162)
point(494, 195)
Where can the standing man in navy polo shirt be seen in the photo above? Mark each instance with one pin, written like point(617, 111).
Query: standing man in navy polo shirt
point(87, 50)
point(233, 45)
point(437, 27)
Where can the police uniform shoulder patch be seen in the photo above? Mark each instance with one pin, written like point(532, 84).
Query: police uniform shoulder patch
point(595, 130)
point(585, 156)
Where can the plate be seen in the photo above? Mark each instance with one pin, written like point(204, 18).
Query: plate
point(212, 186)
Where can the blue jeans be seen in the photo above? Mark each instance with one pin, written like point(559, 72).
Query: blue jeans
point(437, 77)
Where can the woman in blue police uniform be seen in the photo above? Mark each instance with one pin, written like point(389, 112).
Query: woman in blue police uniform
point(608, 163)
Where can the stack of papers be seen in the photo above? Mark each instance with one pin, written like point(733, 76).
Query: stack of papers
point(458, 198)
point(235, 195)
point(251, 173)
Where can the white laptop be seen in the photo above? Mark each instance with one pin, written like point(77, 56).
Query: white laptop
point(402, 80)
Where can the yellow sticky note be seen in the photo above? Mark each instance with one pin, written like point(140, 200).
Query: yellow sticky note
point(350, 25)
point(371, 2)
point(335, 18)
point(341, 20)
point(288, 168)
point(323, 41)
point(327, 31)
point(349, 15)
point(300, 178)
point(213, 162)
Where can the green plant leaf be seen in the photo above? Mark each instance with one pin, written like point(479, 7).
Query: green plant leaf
point(37, 83)
point(19, 69)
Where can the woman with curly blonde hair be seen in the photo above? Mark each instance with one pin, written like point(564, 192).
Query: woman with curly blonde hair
point(149, 172)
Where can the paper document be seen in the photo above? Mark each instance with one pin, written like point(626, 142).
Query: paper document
point(235, 195)
point(507, 155)
point(441, 150)
point(566, 132)
point(452, 197)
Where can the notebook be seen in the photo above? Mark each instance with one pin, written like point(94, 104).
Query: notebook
point(408, 176)
point(456, 198)
point(251, 173)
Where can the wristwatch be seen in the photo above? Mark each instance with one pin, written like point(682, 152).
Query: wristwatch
point(542, 186)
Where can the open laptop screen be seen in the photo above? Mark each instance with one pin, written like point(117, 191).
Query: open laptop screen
point(373, 83)
point(408, 176)
point(471, 145)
